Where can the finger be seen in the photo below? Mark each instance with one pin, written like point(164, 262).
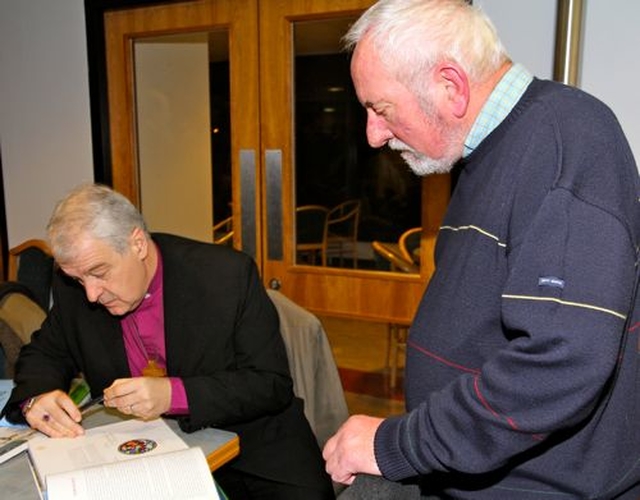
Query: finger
point(121, 388)
point(329, 448)
point(68, 407)
point(56, 424)
point(59, 418)
point(125, 407)
point(341, 475)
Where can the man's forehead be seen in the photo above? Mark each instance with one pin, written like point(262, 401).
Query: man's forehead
point(89, 254)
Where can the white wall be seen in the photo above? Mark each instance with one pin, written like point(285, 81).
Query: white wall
point(45, 135)
point(44, 103)
point(527, 30)
point(611, 66)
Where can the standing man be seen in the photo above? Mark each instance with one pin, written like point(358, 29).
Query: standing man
point(166, 326)
point(522, 360)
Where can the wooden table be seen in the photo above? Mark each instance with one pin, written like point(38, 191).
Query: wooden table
point(17, 483)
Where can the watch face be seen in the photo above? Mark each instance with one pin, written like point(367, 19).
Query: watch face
point(137, 446)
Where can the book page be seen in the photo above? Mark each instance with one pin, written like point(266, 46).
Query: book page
point(178, 475)
point(118, 442)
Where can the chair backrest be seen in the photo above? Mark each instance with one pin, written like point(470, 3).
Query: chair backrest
point(391, 254)
point(315, 375)
point(223, 232)
point(409, 242)
point(31, 264)
point(20, 316)
point(310, 221)
point(343, 220)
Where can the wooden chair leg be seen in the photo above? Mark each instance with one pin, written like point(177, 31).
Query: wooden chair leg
point(397, 338)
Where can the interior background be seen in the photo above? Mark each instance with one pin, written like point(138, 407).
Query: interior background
point(45, 127)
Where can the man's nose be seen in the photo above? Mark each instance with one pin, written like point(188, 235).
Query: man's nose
point(92, 289)
point(378, 134)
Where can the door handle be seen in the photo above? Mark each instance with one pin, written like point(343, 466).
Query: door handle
point(275, 284)
point(248, 199)
point(273, 163)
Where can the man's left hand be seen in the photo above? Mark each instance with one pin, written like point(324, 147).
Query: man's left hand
point(143, 397)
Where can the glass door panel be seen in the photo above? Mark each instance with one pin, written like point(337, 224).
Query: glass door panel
point(182, 124)
point(353, 203)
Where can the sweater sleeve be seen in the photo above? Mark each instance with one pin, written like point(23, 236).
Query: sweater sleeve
point(568, 290)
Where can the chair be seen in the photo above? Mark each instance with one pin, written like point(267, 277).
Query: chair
point(401, 257)
point(341, 232)
point(223, 232)
point(310, 222)
point(409, 244)
point(20, 316)
point(315, 375)
point(31, 263)
point(391, 253)
point(396, 339)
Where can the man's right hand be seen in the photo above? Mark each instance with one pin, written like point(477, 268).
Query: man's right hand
point(350, 451)
point(54, 414)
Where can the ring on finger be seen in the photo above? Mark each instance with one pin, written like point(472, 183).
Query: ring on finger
point(46, 417)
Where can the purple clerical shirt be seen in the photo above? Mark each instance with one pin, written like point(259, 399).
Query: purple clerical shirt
point(143, 331)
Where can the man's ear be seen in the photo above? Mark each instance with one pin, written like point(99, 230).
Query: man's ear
point(456, 85)
point(139, 243)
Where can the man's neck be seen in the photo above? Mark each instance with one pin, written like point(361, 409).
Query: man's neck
point(480, 93)
point(151, 262)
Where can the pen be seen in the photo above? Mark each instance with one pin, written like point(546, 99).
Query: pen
point(90, 404)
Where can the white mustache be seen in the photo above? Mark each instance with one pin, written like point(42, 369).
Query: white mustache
point(398, 145)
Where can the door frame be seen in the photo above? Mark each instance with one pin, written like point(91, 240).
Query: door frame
point(94, 11)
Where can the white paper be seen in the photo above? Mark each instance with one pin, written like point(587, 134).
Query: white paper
point(178, 475)
point(99, 446)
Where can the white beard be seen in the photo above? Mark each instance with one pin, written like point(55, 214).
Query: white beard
point(421, 164)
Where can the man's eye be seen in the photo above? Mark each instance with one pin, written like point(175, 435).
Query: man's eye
point(100, 275)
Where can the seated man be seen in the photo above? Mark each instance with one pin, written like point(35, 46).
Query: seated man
point(163, 325)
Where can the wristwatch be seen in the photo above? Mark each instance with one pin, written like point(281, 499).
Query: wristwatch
point(27, 406)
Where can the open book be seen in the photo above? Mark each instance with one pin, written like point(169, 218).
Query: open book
point(124, 460)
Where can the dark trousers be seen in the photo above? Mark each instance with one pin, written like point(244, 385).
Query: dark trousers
point(242, 486)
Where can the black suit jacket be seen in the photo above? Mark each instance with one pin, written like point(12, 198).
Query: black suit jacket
point(222, 339)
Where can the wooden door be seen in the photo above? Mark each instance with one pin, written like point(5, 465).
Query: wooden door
point(262, 38)
point(238, 19)
point(375, 295)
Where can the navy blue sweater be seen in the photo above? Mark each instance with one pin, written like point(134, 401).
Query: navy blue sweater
point(523, 375)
